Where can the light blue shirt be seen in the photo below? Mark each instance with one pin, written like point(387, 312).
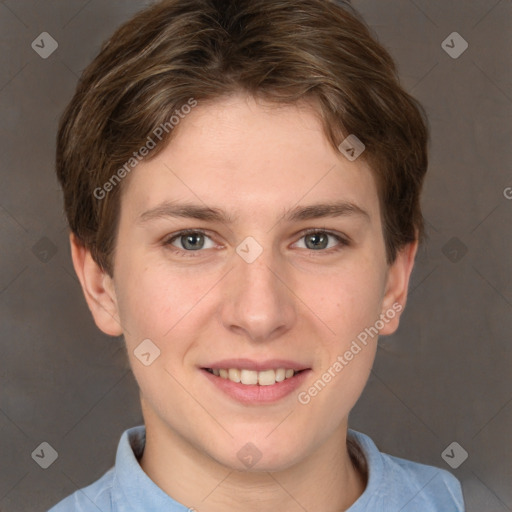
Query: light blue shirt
point(394, 484)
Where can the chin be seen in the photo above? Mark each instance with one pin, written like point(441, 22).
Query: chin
point(260, 457)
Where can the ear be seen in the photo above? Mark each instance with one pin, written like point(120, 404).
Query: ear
point(397, 284)
point(98, 288)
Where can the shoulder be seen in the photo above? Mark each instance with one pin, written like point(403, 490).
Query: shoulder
point(107, 493)
point(433, 488)
point(97, 496)
point(399, 484)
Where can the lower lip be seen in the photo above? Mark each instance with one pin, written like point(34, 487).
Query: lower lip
point(256, 394)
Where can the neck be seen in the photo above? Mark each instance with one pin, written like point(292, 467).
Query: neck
point(326, 480)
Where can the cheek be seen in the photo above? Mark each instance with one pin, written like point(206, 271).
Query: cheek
point(154, 300)
point(348, 302)
point(348, 299)
point(159, 306)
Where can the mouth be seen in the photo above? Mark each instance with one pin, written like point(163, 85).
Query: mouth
point(252, 377)
point(251, 383)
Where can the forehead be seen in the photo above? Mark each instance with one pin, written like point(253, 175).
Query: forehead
point(250, 157)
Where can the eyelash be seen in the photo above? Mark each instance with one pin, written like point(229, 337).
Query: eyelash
point(343, 241)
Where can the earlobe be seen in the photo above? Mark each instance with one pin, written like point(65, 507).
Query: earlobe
point(98, 289)
point(397, 285)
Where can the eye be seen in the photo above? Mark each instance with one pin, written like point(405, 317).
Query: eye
point(190, 241)
point(193, 241)
point(317, 240)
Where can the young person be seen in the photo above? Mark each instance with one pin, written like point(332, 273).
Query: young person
point(242, 182)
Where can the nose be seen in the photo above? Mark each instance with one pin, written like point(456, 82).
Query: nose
point(259, 301)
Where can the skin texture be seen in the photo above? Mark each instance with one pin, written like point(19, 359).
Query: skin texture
point(255, 161)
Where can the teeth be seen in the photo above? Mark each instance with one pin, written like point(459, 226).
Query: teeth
point(280, 374)
point(267, 378)
point(251, 377)
point(234, 375)
point(248, 377)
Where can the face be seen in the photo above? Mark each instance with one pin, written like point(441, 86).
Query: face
point(250, 244)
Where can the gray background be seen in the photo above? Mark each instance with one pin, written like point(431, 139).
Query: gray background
point(444, 377)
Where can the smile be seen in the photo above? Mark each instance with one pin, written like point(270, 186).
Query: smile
point(255, 387)
point(251, 377)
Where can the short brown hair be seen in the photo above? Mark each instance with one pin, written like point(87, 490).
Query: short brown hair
point(283, 51)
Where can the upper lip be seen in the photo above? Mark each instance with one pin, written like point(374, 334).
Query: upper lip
point(258, 366)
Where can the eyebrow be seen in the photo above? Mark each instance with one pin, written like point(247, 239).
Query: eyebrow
point(205, 213)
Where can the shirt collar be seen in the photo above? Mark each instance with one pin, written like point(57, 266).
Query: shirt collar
point(132, 489)
point(375, 466)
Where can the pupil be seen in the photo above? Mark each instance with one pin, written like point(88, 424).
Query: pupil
point(319, 240)
point(189, 241)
